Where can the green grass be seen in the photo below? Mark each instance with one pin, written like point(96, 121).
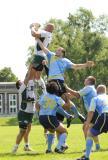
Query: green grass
point(75, 141)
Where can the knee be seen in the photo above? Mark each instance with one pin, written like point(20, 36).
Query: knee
point(84, 129)
point(89, 134)
point(65, 131)
point(22, 131)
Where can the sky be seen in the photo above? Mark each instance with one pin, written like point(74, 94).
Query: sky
point(17, 15)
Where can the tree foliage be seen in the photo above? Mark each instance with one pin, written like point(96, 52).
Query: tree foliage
point(84, 38)
point(6, 75)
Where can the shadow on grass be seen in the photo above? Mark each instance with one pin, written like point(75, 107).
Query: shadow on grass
point(40, 154)
point(12, 121)
point(102, 150)
point(77, 152)
point(20, 154)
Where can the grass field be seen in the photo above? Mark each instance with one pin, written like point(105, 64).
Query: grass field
point(75, 141)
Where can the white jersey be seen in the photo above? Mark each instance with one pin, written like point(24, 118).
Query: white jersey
point(29, 93)
point(46, 38)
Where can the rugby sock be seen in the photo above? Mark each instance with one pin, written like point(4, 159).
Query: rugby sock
point(89, 144)
point(22, 88)
point(26, 144)
point(61, 111)
point(74, 110)
point(81, 117)
point(50, 140)
point(77, 114)
point(96, 141)
point(16, 145)
point(62, 139)
point(15, 148)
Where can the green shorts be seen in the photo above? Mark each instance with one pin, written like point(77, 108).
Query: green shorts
point(24, 119)
point(37, 62)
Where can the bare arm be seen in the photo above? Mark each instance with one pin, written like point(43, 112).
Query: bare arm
point(73, 92)
point(37, 106)
point(34, 30)
point(42, 46)
point(84, 65)
point(34, 33)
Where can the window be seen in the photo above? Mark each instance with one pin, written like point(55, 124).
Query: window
point(13, 103)
point(1, 103)
point(1, 100)
point(13, 110)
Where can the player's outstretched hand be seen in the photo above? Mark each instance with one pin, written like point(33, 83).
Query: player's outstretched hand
point(90, 63)
point(35, 25)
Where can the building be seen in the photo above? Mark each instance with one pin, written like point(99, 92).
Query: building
point(9, 98)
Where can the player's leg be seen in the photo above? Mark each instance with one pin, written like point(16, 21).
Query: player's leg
point(73, 109)
point(46, 122)
point(34, 71)
point(50, 140)
point(26, 139)
point(62, 136)
point(96, 140)
point(85, 130)
point(52, 124)
point(31, 74)
point(98, 128)
point(38, 64)
point(42, 84)
point(22, 131)
point(28, 118)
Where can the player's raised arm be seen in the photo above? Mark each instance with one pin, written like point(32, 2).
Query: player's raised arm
point(42, 46)
point(34, 30)
point(83, 65)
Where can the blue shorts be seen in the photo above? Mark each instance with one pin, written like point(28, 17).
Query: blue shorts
point(101, 125)
point(48, 121)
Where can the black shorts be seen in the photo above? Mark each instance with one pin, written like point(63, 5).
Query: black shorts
point(101, 125)
point(95, 117)
point(24, 119)
point(60, 117)
point(49, 122)
point(37, 62)
point(61, 85)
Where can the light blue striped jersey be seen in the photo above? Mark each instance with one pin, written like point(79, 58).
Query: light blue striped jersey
point(87, 93)
point(57, 66)
point(99, 103)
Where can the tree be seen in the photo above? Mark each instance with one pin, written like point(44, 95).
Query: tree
point(30, 55)
point(6, 75)
point(83, 37)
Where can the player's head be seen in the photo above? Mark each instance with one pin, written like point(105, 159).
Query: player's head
point(101, 89)
point(90, 81)
point(49, 27)
point(18, 84)
point(52, 87)
point(60, 52)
